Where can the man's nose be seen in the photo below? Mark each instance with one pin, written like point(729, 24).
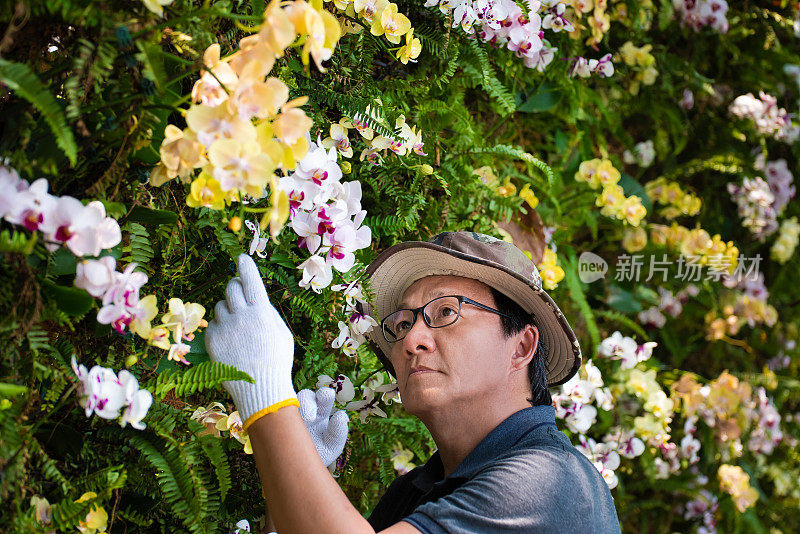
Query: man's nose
point(419, 338)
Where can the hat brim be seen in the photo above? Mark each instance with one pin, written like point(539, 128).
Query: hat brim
point(398, 267)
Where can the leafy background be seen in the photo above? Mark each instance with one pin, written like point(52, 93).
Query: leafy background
point(86, 108)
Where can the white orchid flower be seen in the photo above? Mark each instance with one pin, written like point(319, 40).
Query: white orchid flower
point(96, 276)
point(582, 420)
point(32, 206)
point(10, 186)
point(352, 292)
point(360, 324)
point(319, 166)
point(345, 340)
point(345, 392)
point(621, 348)
point(604, 398)
point(137, 409)
point(105, 396)
point(367, 406)
point(317, 274)
point(258, 244)
point(85, 230)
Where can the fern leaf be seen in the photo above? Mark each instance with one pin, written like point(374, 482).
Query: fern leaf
point(491, 84)
point(199, 377)
point(512, 152)
point(618, 317)
point(213, 449)
point(22, 80)
point(17, 242)
point(577, 294)
point(139, 248)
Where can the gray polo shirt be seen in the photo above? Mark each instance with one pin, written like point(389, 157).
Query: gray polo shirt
point(524, 476)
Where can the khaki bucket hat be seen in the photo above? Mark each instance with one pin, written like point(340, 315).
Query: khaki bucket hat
point(496, 263)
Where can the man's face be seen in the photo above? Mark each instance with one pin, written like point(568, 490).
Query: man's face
point(469, 359)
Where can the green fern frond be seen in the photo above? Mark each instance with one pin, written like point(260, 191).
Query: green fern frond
point(172, 474)
point(200, 377)
point(228, 242)
point(579, 297)
point(516, 153)
point(618, 317)
point(212, 447)
point(38, 340)
point(491, 84)
point(17, 242)
point(139, 249)
point(22, 80)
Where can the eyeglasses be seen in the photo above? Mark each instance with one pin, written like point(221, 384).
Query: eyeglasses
point(439, 312)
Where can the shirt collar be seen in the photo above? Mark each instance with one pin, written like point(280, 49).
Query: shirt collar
point(502, 438)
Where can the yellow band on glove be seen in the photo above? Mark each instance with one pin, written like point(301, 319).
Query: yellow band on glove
point(269, 409)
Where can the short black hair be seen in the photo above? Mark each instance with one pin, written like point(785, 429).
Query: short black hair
point(516, 321)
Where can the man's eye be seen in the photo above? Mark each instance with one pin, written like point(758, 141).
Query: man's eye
point(448, 311)
point(402, 326)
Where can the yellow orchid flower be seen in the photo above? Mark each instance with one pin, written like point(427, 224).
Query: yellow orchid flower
point(321, 46)
point(549, 271)
point(255, 97)
point(411, 50)
point(188, 316)
point(157, 6)
point(633, 211)
point(507, 189)
point(610, 200)
point(370, 9)
point(214, 85)
point(391, 23)
point(212, 124)
point(340, 139)
point(634, 239)
point(159, 337)
point(206, 193)
point(486, 175)
point(277, 32)
point(209, 417)
point(343, 5)
point(180, 152)
point(526, 193)
point(292, 123)
point(278, 212)
point(96, 520)
point(605, 175)
point(148, 309)
point(240, 166)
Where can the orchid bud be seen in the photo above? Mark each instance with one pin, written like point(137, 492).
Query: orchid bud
point(235, 224)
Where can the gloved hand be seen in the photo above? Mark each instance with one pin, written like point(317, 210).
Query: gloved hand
point(248, 333)
point(329, 432)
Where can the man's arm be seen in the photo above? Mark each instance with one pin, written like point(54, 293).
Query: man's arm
point(248, 333)
point(302, 496)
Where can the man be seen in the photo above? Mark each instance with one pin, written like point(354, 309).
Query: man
point(470, 371)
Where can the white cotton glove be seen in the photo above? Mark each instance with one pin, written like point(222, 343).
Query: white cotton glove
point(248, 333)
point(329, 432)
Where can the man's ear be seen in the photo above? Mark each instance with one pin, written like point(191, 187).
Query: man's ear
point(527, 341)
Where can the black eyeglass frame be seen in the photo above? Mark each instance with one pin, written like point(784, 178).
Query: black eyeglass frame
point(415, 311)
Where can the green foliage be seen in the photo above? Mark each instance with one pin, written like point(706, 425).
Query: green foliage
point(74, 86)
point(24, 82)
point(199, 377)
